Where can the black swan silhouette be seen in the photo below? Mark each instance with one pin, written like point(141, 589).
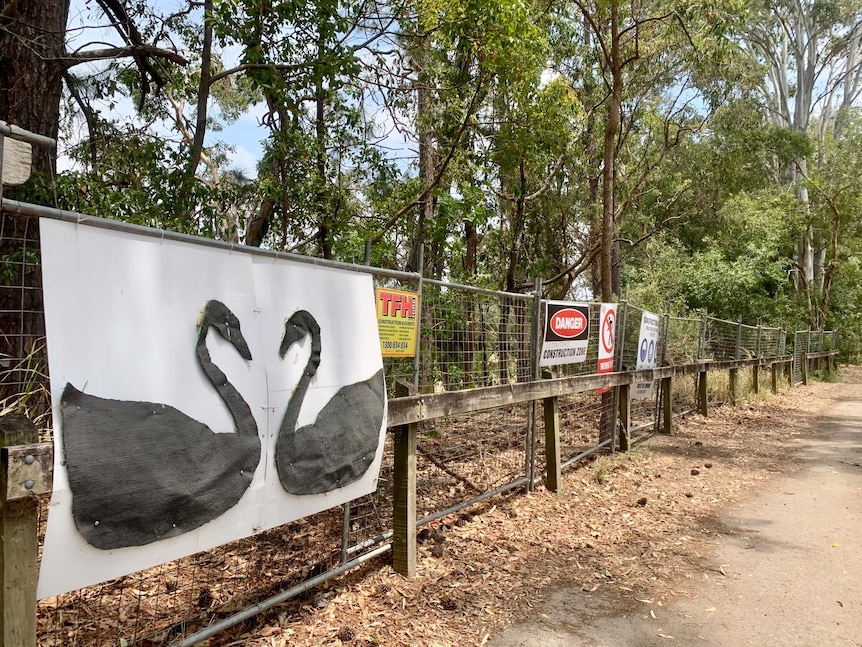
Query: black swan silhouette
point(140, 472)
point(338, 448)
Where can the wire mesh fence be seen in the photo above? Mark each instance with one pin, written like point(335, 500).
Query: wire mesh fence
point(801, 340)
point(583, 417)
point(469, 338)
point(461, 458)
point(23, 354)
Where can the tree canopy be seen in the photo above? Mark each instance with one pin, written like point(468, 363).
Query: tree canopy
point(691, 155)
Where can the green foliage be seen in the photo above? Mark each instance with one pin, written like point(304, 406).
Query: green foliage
point(516, 98)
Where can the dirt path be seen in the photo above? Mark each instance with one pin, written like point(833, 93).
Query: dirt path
point(785, 568)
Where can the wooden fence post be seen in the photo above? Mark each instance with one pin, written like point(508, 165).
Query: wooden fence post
point(733, 378)
point(774, 368)
point(553, 479)
point(667, 404)
point(18, 547)
point(625, 416)
point(404, 496)
point(755, 378)
point(702, 395)
point(805, 369)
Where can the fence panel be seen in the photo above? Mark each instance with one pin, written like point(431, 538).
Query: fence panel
point(801, 339)
point(469, 338)
point(473, 338)
point(23, 356)
point(722, 340)
point(460, 458)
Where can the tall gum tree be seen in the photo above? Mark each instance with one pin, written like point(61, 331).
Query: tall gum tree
point(645, 57)
point(810, 53)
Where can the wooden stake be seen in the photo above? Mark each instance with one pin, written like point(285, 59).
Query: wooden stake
point(625, 416)
point(667, 404)
point(404, 495)
point(18, 550)
point(553, 479)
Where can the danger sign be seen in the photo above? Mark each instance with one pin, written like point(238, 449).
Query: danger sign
point(567, 333)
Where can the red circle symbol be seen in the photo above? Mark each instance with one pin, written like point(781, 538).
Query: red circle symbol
point(568, 323)
point(607, 331)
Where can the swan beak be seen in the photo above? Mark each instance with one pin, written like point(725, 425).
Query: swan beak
point(240, 344)
point(292, 334)
point(233, 334)
point(286, 343)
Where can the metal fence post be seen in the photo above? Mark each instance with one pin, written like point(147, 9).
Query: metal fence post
point(702, 393)
point(535, 335)
point(621, 337)
point(417, 358)
point(664, 407)
point(733, 374)
point(622, 395)
point(755, 370)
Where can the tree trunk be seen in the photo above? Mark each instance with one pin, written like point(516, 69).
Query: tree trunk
point(32, 46)
point(612, 126)
point(425, 209)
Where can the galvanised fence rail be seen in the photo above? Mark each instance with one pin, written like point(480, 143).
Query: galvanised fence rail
point(470, 417)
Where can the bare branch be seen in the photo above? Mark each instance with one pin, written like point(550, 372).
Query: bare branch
point(133, 51)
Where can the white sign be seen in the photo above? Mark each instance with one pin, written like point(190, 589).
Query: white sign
point(607, 336)
point(647, 352)
point(188, 351)
point(567, 333)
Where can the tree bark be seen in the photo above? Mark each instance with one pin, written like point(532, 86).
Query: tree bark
point(32, 45)
point(612, 126)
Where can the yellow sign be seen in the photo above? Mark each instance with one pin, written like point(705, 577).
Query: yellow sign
point(397, 321)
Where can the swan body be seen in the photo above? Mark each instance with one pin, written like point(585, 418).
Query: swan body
point(339, 447)
point(142, 471)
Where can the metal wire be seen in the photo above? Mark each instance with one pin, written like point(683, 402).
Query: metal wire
point(468, 338)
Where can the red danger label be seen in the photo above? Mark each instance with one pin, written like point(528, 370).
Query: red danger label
point(568, 323)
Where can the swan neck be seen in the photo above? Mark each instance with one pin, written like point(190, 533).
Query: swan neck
point(288, 424)
point(238, 407)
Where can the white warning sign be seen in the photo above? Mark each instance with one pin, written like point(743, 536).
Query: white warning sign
point(607, 337)
point(647, 352)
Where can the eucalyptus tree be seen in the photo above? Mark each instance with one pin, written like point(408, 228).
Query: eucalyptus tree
point(810, 53)
point(637, 65)
point(835, 190)
point(305, 61)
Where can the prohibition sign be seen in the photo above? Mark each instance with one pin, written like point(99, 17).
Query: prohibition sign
point(608, 332)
